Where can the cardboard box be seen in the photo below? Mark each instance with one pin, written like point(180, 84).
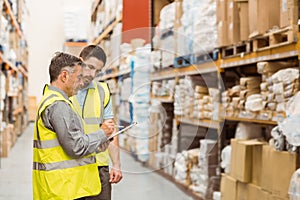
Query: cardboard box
point(263, 15)
point(255, 192)
point(221, 10)
point(233, 21)
point(222, 34)
point(267, 175)
point(5, 142)
point(32, 108)
point(290, 163)
point(256, 164)
point(243, 163)
point(288, 12)
point(242, 191)
point(273, 197)
point(246, 161)
point(228, 188)
point(264, 195)
point(234, 158)
point(244, 19)
point(277, 170)
point(274, 16)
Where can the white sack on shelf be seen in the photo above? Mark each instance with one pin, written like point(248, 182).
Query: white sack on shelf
point(281, 107)
point(267, 67)
point(155, 59)
point(279, 98)
point(286, 76)
point(250, 82)
point(254, 103)
point(264, 86)
point(278, 88)
point(167, 16)
point(234, 91)
point(246, 93)
point(272, 106)
point(290, 128)
point(264, 95)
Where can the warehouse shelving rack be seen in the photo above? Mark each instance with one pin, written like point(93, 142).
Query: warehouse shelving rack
point(16, 107)
point(289, 50)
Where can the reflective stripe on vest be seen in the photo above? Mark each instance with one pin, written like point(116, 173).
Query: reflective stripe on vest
point(45, 144)
point(92, 113)
point(55, 174)
point(64, 164)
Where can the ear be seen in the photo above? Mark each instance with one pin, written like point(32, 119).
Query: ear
point(64, 76)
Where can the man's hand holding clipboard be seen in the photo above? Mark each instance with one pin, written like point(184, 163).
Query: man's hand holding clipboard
point(111, 137)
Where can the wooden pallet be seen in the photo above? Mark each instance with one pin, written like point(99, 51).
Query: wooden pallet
point(199, 58)
point(274, 39)
point(195, 58)
point(236, 50)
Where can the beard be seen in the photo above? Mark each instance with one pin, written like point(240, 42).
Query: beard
point(86, 81)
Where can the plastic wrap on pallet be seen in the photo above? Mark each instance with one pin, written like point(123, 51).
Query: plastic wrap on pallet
point(180, 166)
point(180, 41)
point(140, 99)
point(290, 124)
point(116, 40)
point(76, 23)
point(168, 50)
point(208, 146)
point(125, 89)
point(293, 107)
point(155, 60)
point(157, 89)
point(167, 16)
point(290, 128)
point(199, 37)
point(226, 157)
point(294, 188)
point(217, 196)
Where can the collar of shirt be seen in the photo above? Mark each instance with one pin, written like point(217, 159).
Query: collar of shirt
point(58, 90)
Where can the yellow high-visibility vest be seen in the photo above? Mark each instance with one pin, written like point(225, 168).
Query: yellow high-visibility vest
point(55, 174)
point(92, 113)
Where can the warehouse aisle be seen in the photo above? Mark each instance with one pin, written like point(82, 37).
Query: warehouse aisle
point(141, 183)
point(15, 171)
point(138, 183)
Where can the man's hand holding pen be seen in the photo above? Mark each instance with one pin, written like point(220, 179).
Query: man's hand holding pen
point(108, 126)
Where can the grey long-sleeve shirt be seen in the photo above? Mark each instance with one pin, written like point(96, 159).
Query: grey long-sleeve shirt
point(60, 118)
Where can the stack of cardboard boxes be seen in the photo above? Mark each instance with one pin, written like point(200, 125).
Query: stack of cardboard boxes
point(257, 171)
point(241, 20)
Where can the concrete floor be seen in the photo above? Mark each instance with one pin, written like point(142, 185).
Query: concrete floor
point(138, 182)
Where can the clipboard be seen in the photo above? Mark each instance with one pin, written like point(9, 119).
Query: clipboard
point(121, 131)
